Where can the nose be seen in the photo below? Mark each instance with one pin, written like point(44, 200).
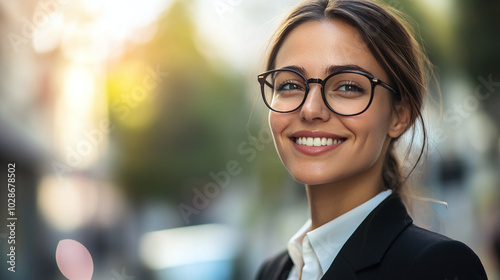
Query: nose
point(314, 108)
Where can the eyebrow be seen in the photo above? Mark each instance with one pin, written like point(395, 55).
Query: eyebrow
point(331, 69)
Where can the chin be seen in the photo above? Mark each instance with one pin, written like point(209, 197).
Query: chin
point(313, 178)
point(320, 175)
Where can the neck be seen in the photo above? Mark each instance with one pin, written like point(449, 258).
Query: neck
point(329, 201)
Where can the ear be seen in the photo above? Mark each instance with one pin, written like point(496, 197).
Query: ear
point(400, 119)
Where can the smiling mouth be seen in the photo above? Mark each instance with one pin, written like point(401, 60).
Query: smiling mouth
point(317, 141)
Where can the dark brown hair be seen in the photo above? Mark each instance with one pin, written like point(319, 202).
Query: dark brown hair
point(390, 40)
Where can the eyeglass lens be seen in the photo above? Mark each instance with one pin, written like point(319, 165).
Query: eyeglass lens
point(345, 93)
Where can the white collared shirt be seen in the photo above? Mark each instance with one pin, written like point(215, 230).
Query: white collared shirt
point(312, 252)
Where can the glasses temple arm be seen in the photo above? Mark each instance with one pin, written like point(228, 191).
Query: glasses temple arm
point(387, 86)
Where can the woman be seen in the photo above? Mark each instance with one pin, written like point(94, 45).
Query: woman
point(345, 80)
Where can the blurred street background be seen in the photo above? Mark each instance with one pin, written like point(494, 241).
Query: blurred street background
point(141, 147)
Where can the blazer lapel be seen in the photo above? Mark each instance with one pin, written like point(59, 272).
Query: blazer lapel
point(371, 239)
point(285, 266)
point(340, 269)
point(276, 269)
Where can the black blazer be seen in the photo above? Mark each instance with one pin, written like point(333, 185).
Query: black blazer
point(387, 245)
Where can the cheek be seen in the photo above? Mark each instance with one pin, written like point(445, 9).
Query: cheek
point(278, 122)
point(274, 123)
point(377, 118)
point(371, 128)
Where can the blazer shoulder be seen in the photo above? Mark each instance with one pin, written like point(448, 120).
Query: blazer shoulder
point(417, 238)
point(276, 267)
point(435, 256)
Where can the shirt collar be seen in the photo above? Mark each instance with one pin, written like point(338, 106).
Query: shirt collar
point(295, 246)
point(328, 239)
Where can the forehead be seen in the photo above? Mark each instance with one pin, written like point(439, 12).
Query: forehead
point(317, 45)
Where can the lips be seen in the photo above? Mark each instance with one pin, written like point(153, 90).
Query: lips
point(316, 142)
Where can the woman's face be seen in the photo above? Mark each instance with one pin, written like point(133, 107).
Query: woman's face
point(358, 143)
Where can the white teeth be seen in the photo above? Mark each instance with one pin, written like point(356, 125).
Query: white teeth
point(317, 142)
point(310, 142)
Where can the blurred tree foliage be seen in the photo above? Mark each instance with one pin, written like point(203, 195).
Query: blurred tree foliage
point(479, 44)
point(189, 125)
point(463, 39)
point(194, 120)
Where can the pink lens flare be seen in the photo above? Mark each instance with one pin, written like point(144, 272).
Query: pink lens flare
point(74, 260)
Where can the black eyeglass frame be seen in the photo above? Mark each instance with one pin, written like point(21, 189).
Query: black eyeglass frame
point(374, 82)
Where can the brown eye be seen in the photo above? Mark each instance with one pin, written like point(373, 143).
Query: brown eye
point(351, 88)
point(289, 86)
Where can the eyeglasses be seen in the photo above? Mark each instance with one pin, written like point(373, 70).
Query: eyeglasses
point(347, 92)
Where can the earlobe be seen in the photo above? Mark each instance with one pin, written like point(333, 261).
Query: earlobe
point(400, 121)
